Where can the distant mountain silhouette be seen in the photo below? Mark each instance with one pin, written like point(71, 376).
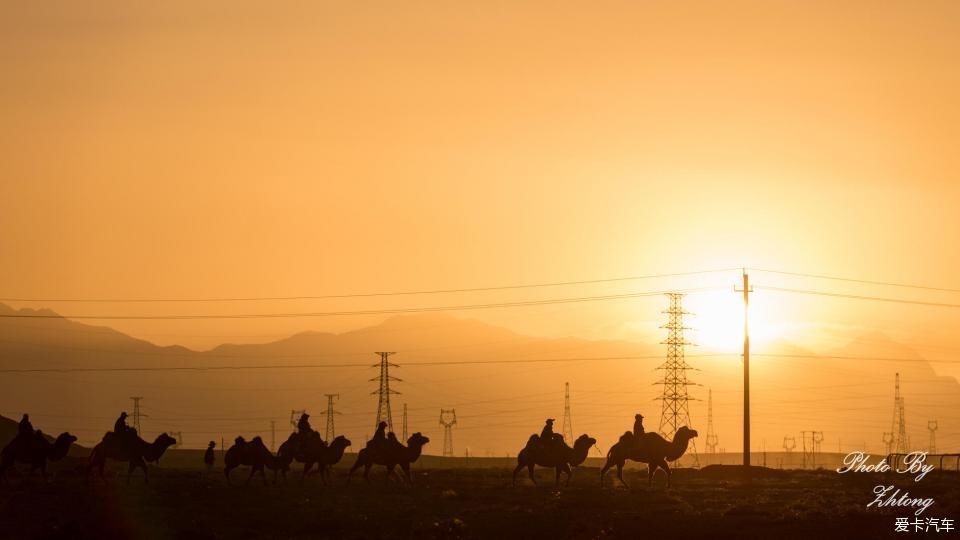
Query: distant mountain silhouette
point(790, 393)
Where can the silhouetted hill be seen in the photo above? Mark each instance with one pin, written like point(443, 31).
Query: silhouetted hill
point(498, 404)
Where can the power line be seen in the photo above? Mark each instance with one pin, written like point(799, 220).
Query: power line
point(860, 297)
point(854, 280)
point(331, 366)
point(360, 312)
point(366, 295)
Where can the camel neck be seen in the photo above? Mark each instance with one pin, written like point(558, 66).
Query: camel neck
point(677, 448)
point(414, 452)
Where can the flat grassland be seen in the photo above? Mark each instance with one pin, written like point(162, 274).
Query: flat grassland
point(715, 502)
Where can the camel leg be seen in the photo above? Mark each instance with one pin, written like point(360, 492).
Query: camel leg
point(666, 468)
point(263, 475)
point(620, 474)
point(366, 471)
point(226, 474)
point(556, 483)
point(568, 472)
point(252, 472)
point(356, 465)
point(390, 472)
point(515, 471)
point(306, 470)
point(530, 472)
point(651, 470)
point(130, 467)
point(406, 471)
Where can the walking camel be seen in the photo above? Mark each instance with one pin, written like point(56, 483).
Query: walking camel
point(254, 454)
point(131, 448)
point(35, 450)
point(390, 453)
point(311, 450)
point(649, 448)
point(556, 454)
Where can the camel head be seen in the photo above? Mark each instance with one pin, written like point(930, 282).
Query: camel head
point(584, 441)
point(685, 433)
point(164, 440)
point(340, 441)
point(65, 439)
point(417, 440)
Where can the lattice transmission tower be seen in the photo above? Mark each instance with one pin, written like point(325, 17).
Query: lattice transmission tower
point(900, 443)
point(383, 392)
point(331, 428)
point(712, 439)
point(448, 419)
point(567, 418)
point(137, 414)
point(404, 423)
point(675, 408)
point(932, 428)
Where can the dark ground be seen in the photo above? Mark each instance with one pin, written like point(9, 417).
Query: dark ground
point(716, 502)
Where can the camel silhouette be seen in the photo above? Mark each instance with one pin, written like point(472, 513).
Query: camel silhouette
point(131, 448)
point(311, 450)
point(390, 453)
point(556, 455)
point(254, 454)
point(649, 448)
point(35, 450)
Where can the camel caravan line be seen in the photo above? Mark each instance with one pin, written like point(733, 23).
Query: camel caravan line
point(548, 449)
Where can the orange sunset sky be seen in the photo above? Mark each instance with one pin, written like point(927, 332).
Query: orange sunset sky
point(251, 149)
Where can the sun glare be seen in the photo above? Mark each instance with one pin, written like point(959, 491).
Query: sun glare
point(717, 321)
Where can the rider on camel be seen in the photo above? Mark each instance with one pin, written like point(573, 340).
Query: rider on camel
point(120, 426)
point(638, 425)
point(25, 428)
point(379, 437)
point(303, 425)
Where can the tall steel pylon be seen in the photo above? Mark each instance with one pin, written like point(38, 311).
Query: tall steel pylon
point(404, 423)
point(712, 439)
point(567, 418)
point(331, 428)
point(448, 419)
point(675, 408)
point(383, 392)
point(899, 429)
point(932, 428)
point(137, 414)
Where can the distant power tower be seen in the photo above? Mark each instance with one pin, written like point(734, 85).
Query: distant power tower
point(789, 443)
point(448, 419)
point(675, 409)
point(712, 440)
point(404, 422)
point(331, 429)
point(137, 414)
point(811, 447)
point(888, 441)
point(932, 427)
point(383, 405)
point(567, 418)
point(900, 443)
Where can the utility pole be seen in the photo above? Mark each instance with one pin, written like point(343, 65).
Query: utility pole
point(932, 427)
point(383, 392)
point(137, 414)
point(448, 419)
point(567, 418)
point(273, 435)
point(331, 431)
point(675, 408)
point(789, 443)
point(746, 366)
point(404, 423)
